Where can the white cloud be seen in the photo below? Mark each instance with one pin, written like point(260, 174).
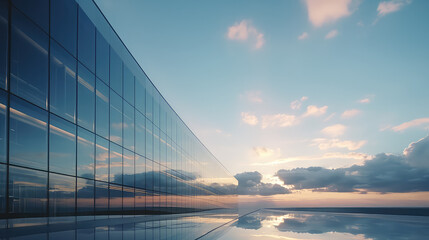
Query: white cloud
point(321, 12)
point(244, 31)
point(365, 100)
point(350, 113)
point(324, 144)
point(387, 7)
point(303, 36)
point(413, 123)
point(279, 120)
point(295, 105)
point(334, 130)
point(329, 117)
point(331, 34)
point(253, 96)
point(313, 110)
point(264, 152)
point(249, 118)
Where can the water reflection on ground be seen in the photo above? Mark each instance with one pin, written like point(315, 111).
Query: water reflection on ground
point(278, 224)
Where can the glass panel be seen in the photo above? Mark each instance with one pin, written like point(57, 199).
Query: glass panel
point(140, 171)
point(102, 58)
point(28, 143)
point(115, 118)
point(2, 189)
point(64, 23)
point(149, 100)
point(128, 200)
point(3, 126)
point(29, 60)
point(140, 133)
point(61, 194)
point(115, 72)
point(140, 95)
point(149, 140)
point(128, 157)
point(27, 191)
point(37, 11)
point(85, 196)
point(4, 19)
point(102, 159)
point(140, 200)
point(115, 164)
point(102, 109)
point(128, 126)
point(149, 173)
point(101, 197)
point(115, 194)
point(85, 153)
point(86, 98)
point(128, 86)
point(86, 41)
point(62, 146)
point(62, 83)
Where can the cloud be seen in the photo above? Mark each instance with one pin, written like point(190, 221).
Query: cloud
point(264, 151)
point(244, 31)
point(321, 12)
point(329, 155)
point(384, 173)
point(325, 144)
point(249, 118)
point(303, 36)
point(313, 110)
point(331, 34)
point(253, 96)
point(334, 130)
point(278, 120)
point(413, 123)
point(296, 104)
point(388, 7)
point(365, 100)
point(350, 113)
point(249, 183)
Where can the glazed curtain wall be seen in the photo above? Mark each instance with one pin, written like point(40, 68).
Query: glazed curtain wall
point(83, 131)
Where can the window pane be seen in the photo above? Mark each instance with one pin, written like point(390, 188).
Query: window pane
point(140, 133)
point(64, 23)
point(85, 153)
point(140, 202)
point(149, 140)
point(115, 163)
point(4, 18)
point(128, 200)
point(29, 60)
point(85, 196)
point(128, 86)
point(140, 171)
point(140, 95)
point(27, 191)
point(2, 189)
point(37, 11)
point(102, 61)
point(115, 194)
point(115, 118)
point(128, 126)
point(115, 72)
point(102, 159)
point(86, 41)
point(28, 143)
point(149, 100)
point(101, 197)
point(61, 194)
point(3, 126)
point(128, 168)
point(63, 83)
point(62, 146)
point(149, 173)
point(86, 98)
point(102, 109)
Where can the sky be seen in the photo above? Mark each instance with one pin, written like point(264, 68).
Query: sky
point(324, 99)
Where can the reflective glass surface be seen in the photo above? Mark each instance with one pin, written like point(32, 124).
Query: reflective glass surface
point(101, 197)
point(37, 11)
point(128, 126)
point(101, 159)
point(140, 95)
point(64, 24)
point(102, 109)
point(85, 196)
point(86, 41)
point(62, 83)
point(149, 139)
point(115, 164)
point(86, 98)
point(115, 197)
point(29, 60)
point(128, 166)
point(62, 191)
point(128, 86)
point(128, 199)
point(85, 153)
point(115, 72)
point(140, 132)
point(115, 118)
point(4, 22)
point(62, 146)
point(28, 133)
point(102, 58)
point(3, 179)
point(3, 126)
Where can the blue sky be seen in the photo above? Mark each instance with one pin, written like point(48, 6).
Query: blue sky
point(271, 85)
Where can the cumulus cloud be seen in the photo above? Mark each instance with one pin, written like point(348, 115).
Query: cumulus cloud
point(334, 130)
point(413, 123)
point(244, 31)
point(303, 36)
point(249, 118)
point(388, 7)
point(325, 144)
point(296, 104)
point(384, 173)
point(331, 34)
point(279, 120)
point(313, 110)
point(321, 12)
point(249, 183)
point(350, 113)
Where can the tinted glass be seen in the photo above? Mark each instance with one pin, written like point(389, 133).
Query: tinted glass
point(27, 191)
point(62, 83)
point(140, 202)
point(128, 126)
point(115, 72)
point(2, 189)
point(62, 146)
point(64, 23)
point(128, 86)
point(29, 60)
point(37, 11)
point(128, 157)
point(140, 133)
point(28, 143)
point(4, 19)
point(102, 58)
point(115, 118)
point(3, 126)
point(101, 197)
point(140, 96)
point(101, 159)
point(115, 193)
point(61, 194)
point(85, 153)
point(140, 171)
point(115, 164)
point(128, 199)
point(102, 109)
point(85, 196)
point(149, 140)
point(86, 98)
point(149, 100)
point(86, 41)
point(149, 174)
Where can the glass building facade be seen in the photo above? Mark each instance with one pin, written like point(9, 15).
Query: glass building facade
point(83, 131)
